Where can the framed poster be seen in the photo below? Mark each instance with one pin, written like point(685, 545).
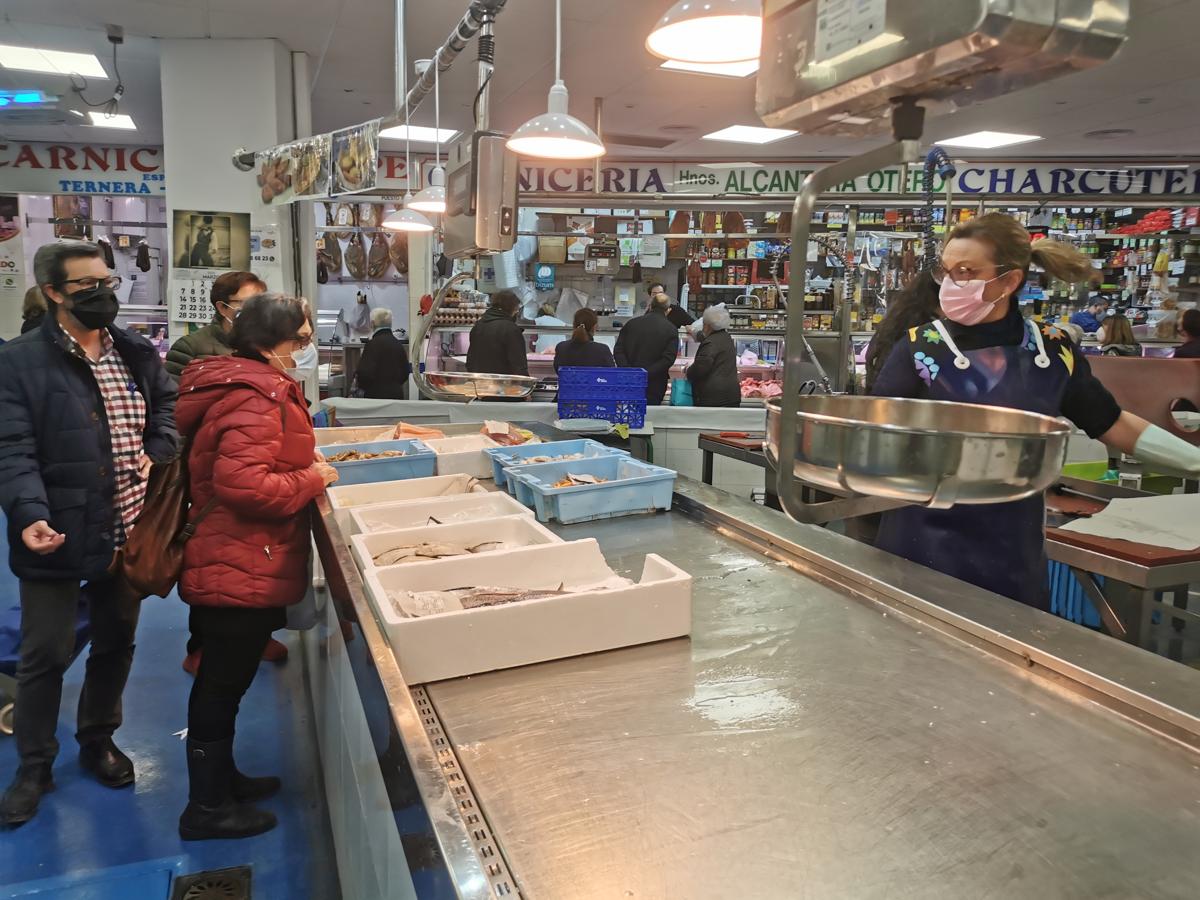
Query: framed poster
point(77, 208)
point(210, 240)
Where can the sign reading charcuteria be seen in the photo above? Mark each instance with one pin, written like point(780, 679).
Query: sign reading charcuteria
point(1040, 179)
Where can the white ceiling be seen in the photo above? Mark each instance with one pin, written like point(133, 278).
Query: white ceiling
point(1152, 87)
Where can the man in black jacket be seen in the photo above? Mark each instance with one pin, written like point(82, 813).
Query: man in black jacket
point(713, 373)
point(676, 314)
point(84, 409)
point(384, 368)
point(650, 342)
point(498, 345)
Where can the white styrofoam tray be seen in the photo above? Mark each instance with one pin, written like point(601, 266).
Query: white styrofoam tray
point(516, 531)
point(470, 641)
point(360, 433)
point(463, 454)
point(433, 511)
point(343, 499)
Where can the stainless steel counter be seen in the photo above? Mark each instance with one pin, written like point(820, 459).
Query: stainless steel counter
point(808, 743)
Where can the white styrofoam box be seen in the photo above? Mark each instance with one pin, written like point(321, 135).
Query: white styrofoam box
point(327, 437)
point(434, 511)
point(361, 433)
point(658, 607)
point(343, 499)
point(463, 454)
point(516, 531)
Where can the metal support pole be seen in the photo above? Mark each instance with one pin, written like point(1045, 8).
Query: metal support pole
point(907, 126)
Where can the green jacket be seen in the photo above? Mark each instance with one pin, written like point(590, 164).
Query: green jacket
point(210, 340)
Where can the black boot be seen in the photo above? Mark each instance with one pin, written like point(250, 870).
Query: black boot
point(248, 790)
point(20, 803)
point(211, 811)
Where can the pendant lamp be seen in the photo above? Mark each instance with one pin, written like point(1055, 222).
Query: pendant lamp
point(432, 199)
point(709, 31)
point(556, 134)
point(405, 219)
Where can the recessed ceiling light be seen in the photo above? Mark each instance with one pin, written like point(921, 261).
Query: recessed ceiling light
point(729, 70)
point(749, 134)
point(1108, 134)
point(419, 134)
point(56, 62)
point(116, 120)
point(989, 140)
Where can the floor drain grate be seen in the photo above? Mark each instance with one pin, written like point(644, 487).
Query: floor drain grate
point(219, 884)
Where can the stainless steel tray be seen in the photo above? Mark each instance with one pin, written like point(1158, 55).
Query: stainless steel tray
point(481, 386)
point(922, 451)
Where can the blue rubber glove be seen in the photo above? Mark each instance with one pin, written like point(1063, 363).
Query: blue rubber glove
point(1164, 452)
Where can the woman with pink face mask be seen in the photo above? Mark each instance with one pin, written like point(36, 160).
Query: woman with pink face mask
point(982, 350)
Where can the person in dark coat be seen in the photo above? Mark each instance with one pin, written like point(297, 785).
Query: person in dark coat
point(676, 314)
point(650, 342)
point(85, 408)
point(253, 458)
point(583, 349)
point(498, 345)
point(1189, 324)
point(384, 368)
point(713, 373)
point(33, 310)
point(228, 294)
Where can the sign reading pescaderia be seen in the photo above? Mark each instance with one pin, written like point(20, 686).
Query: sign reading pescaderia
point(1042, 179)
point(43, 168)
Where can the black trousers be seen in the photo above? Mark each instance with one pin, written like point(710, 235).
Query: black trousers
point(233, 640)
point(48, 615)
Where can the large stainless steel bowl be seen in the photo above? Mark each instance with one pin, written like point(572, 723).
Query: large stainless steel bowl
point(922, 451)
point(480, 386)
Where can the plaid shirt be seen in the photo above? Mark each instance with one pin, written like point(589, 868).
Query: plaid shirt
point(125, 410)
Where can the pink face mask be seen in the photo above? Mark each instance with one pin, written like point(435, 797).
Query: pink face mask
point(964, 303)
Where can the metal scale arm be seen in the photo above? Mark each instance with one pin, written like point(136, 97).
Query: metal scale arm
point(907, 125)
point(423, 329)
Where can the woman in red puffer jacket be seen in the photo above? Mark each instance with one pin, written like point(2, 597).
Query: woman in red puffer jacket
point(254, 471)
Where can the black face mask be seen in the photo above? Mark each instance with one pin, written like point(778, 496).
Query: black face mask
point(94, 309)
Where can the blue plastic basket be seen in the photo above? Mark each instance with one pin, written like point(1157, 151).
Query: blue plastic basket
point(614, 395)
point(1067, 598)
point(418, 461)
point(631, 487)
point(504, 458)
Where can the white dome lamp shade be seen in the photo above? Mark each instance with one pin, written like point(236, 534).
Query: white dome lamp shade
point(406, 219)
point(432, 199)
point(556, 134)
point(709, 31)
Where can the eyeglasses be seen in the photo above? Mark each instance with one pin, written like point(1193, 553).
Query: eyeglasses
point(961, 275)
point(303, 340)
point(90, 284)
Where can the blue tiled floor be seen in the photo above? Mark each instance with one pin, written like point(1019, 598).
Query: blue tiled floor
point(88, 841)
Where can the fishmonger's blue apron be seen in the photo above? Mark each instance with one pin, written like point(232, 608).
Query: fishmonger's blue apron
point(997, 546)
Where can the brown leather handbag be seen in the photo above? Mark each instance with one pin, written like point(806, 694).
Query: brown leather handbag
point(152, 558)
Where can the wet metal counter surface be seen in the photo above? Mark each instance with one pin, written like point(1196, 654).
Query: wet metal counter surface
point(805, 743)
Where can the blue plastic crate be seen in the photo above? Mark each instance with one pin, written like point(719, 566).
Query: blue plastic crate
point(418, 461)
point(631, 487)
point(1067, 598)
point(614, 395)
point(598, 383)
point(509, 457)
